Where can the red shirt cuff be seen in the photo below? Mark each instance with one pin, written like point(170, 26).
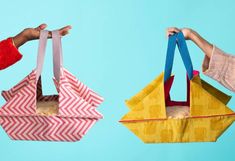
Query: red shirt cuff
point(9, 54)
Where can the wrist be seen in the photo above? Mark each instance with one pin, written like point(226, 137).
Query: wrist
point(12, 40)
point(192, 35)
point(19, 39)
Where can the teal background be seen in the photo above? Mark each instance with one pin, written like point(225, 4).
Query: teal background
point(116, 47)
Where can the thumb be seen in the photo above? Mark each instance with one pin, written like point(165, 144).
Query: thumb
point(41, 27)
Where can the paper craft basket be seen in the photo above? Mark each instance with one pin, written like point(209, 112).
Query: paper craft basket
point(152, 113)
point(66, 116)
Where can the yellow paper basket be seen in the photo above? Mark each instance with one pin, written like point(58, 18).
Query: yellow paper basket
point(205, 116)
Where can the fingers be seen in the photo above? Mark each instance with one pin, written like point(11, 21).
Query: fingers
point(49, 34)
point(41, 27)
point(171, 31)
point(35, 32)
point(65, 30)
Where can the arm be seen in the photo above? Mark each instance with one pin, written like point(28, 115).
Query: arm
point(29, 34)
point(9, 53)
point(219, 66)
point(190, 34)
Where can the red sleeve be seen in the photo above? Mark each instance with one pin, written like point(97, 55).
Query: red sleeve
point(9, 54)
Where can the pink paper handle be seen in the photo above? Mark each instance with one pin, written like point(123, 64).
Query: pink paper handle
point(41, 52)
point(57, 53)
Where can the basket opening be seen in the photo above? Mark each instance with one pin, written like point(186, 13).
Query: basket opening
point(47, 108)
point(47, 105)
point(177, 111)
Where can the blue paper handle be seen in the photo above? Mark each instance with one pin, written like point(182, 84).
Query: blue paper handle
point(178, 39)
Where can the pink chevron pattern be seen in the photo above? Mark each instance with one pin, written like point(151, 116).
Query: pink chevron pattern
point(7, 95)
point(21, 99)
point(82, 90)
point(77, 110)
point(78, 104)
point(44, 128)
